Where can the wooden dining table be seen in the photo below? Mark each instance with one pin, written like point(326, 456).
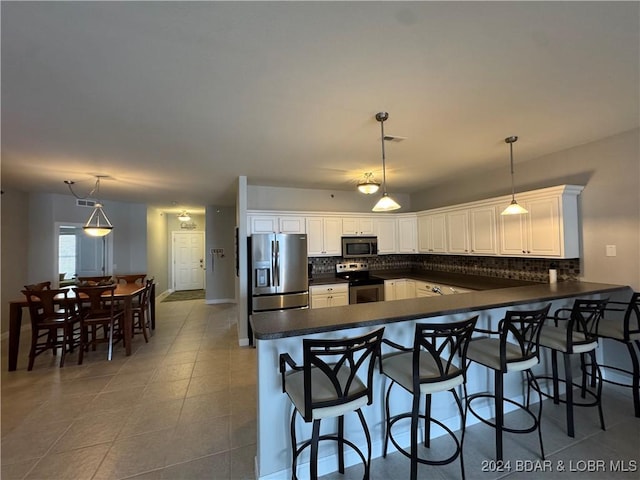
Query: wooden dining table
point(123, 292)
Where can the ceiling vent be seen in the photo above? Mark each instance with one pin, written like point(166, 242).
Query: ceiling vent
point(85, 203)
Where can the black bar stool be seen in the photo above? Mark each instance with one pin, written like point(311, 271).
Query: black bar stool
point(626, 331)
point(514, 350)
point(578, 336)
point(435, 363)
point(336, 378)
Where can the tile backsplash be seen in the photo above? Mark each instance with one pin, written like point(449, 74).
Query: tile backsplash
point(532, 269)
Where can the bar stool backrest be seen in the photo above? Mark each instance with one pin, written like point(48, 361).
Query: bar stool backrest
point(347, 364)
point(522, 329)
point(584, 319)
point(446, 344)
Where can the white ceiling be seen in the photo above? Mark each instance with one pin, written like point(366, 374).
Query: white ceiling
point(173, 101)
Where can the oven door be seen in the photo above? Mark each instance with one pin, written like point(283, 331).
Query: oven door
point(366, 293)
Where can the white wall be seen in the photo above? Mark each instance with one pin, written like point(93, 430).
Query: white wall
point(157, 262)
point(14, 217)
point(221, 271)
point(304, 199)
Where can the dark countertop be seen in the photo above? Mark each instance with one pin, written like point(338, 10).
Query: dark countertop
point(474, 282)
point(325, 279)
point(289, 323)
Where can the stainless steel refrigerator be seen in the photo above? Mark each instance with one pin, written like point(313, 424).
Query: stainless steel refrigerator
point(279, 272)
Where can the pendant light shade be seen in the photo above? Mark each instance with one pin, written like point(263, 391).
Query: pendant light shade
point(514, 208)
point(368, 185)
point(386, 203)
point(184, 216)
point(98, 224)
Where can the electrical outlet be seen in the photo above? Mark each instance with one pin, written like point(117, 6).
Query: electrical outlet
point(611, 251)
point(217, 251)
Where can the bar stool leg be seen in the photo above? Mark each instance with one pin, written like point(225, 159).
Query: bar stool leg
point(554, 373)
point(427, 421)
point(636, 376)
point(414, 436)
point(499, 413)
point(341, 444)
point(569, 394)
point(314, 449)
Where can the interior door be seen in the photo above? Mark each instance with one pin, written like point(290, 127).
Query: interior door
point(188, 260)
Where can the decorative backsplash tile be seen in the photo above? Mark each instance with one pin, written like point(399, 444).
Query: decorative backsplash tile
point(532, 269)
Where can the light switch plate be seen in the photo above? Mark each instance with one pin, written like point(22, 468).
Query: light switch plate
point(611, 250)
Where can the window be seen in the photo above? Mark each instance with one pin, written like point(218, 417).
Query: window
point(67, 251)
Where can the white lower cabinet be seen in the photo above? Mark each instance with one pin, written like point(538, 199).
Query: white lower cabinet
point(399, 289)
point(330, 295)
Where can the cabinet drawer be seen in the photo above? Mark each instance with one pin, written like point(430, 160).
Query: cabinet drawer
point(330, 288)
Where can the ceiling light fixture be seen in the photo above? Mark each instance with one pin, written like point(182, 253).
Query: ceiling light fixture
point(513, 208)
point(386, 203)
point(368, 185)
point(184, 216)
point(98, 224)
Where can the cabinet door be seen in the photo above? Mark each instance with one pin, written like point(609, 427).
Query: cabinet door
point(389, 290)
point(315, 236)
point(405, 289)
point(357, 226)
point(513, 235)
point(291, 224)
point(339, 299)
point(482, 230)
point(432, 233)
point(332, 236)
point(385, 230)
point(458, 232)
point(320, 301)
point(264, 224)
point(407, 235)
point(543, 227)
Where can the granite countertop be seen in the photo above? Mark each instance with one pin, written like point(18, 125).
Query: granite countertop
point(473, 282)
point(289, 323)
point(325, 279)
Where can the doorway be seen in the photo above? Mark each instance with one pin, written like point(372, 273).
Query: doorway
point(187, 253)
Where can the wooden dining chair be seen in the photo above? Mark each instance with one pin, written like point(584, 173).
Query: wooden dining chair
point(95, 280)
point(140, 312)
point(101, 312)
point(55, 323)
point(38, 286)
point(137, 278)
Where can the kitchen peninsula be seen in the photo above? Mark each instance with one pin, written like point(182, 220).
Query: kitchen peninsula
point(279, 332)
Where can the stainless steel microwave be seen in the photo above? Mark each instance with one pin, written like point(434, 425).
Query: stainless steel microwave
point(358, 247)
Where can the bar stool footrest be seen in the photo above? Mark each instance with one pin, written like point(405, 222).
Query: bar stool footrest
point(563, 401)
point(505, 428)
point(424, 461)
point(321, 438)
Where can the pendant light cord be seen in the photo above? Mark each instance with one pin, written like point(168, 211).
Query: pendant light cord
point(513, 189)
point(384, 168)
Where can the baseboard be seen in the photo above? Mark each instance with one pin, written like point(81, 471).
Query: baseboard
point(216, 301)
point(243, 342)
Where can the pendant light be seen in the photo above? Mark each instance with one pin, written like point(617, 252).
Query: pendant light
point(514, 208)
point(368, 185)
point(98, 224)
point(386, 203)
point(184, 216)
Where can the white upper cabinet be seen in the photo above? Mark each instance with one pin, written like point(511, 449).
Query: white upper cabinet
point(357, 226)
point(385, 229)
point(483, 230)
point(276, 224)
point(408, 234)
point(549, 229)
point(432, 233)
point(458, 231)
point(324, 236)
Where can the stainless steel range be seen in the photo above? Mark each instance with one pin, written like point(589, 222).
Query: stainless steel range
point(363, 288)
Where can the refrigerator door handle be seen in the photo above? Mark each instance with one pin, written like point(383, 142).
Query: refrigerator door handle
point(276, 268)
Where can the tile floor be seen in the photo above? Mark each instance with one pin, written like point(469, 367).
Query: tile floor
point(183, 407)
